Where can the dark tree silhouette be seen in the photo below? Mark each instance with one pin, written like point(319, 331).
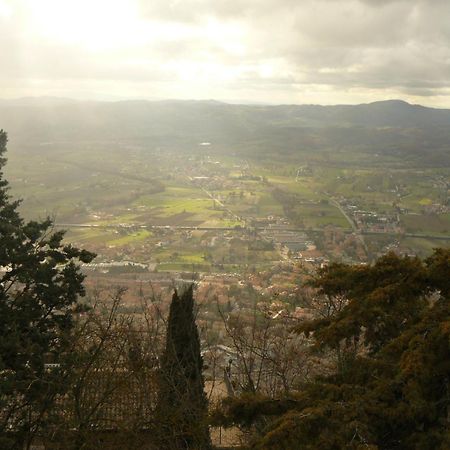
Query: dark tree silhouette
point(182, 404)
point(40, 283)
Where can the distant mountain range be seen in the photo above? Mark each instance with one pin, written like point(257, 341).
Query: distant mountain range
point(385, 126)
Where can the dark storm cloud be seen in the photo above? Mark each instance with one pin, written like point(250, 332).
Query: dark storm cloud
point(357, 41)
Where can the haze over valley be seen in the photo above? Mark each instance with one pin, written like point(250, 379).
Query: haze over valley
point(169, 183)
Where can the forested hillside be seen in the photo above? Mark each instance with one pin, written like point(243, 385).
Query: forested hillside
point(390, 127)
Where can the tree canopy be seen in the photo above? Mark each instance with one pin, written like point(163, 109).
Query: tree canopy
point(391, 344)
point(40, 284)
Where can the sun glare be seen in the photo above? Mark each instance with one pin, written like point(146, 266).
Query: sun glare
point(5, 9)
point(97, 25)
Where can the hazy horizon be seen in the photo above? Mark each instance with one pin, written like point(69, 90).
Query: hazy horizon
point(207, 100)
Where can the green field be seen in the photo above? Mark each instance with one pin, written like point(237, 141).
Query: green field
point(106, 185)
point(130, 238)
point(431, 223)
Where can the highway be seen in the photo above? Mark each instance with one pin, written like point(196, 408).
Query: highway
point(182, 227)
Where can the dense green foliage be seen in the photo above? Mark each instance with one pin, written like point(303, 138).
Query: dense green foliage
point(182, 404)
point(391, 344)
point(40, 284)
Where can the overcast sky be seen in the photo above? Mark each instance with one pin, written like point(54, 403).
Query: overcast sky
point(272, 51)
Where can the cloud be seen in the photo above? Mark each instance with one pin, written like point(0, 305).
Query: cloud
point(270, 49)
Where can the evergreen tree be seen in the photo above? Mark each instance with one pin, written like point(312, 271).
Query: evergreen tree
point(182, 404)
point(390, 389)
point(40, 283)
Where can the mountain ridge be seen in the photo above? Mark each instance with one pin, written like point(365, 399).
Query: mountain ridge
point(385, 126)
point(35, 99)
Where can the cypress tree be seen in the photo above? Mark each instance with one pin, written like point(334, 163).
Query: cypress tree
point(182, 404)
